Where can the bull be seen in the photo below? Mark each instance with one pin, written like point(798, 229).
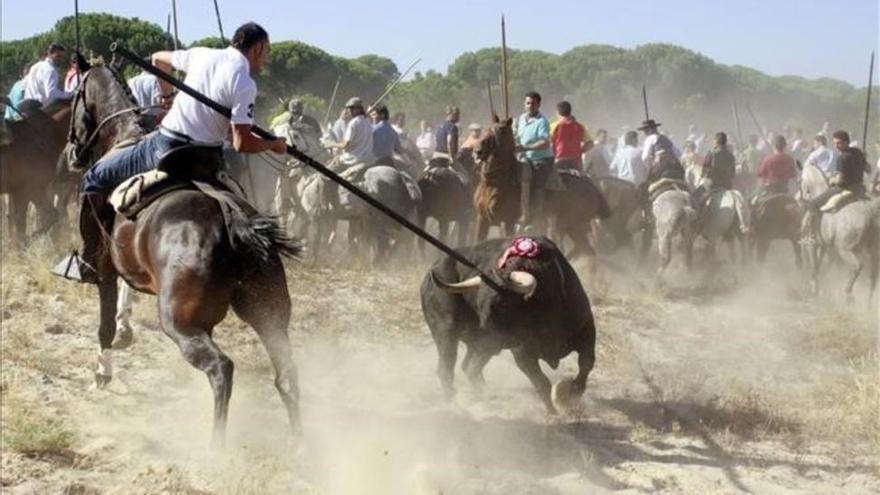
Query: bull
point(545, 314)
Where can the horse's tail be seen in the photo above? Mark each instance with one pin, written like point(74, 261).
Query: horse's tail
point(259, 236)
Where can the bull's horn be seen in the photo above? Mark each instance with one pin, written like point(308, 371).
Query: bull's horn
point(523, 283)
point(468, 285)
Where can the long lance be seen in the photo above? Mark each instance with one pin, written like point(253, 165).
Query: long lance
point(758, 127)
point(739, 133)
point(174, 17)
point(219, 22)
point(868, 104)
point(330, 105)
point(645, 101)
point(76, 34)
point(395, 83)
point(505, 90)
point(318, 166)
point(491, 102)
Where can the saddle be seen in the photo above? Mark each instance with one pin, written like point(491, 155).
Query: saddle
point(666, 184)
point(840, 200)
point(203, 168)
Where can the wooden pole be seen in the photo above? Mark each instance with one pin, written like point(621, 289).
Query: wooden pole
point(395, 83)
point(868, 105)
point(758, 127)
point(504, 87)
point(174, 17)
point(330, 105)
point(491, 102)
point(645, 101)
point(219, 23)
point(739, 134)
point(76, 34)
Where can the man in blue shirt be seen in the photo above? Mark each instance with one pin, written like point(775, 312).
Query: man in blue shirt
point(16, 96)
point(536, 155)
point(446, 135)
point(385, 139)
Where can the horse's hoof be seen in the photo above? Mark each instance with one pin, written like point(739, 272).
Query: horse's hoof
point(101, 381)
point(563, 394)
point(124, 338)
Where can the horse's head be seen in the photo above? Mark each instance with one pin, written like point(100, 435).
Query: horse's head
point(496, 141)
point(104, 114)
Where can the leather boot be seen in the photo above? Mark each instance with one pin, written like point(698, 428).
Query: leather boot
point(92, 215)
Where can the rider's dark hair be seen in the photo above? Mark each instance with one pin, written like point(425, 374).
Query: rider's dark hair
point(819, 138)
point(721, 138)
point(842, 135)
point(382, 112)
point(779, 142)
point(56, 47)
point(563, 107)
point(535, 96)
point(248, 35)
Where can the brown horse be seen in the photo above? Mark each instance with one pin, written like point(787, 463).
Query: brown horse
point(497, 198)
point(180, 249)
point(776, 217)
point(623, 200)
point(28, 168)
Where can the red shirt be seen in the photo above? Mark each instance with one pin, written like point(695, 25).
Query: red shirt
point(777, 168)
point(567, 136)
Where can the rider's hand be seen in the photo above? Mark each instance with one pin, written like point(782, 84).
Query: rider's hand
point(519, 148)
point(279, 146)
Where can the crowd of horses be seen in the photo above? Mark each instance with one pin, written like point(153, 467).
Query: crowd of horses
point(178, 249)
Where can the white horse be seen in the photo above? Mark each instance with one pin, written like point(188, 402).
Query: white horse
point(674, 214)
point(725, 215)
point(853, 232)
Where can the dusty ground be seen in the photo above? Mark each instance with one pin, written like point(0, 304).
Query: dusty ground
point(739, 383)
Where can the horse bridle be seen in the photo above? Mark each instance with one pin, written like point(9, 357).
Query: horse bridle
point(77, 154)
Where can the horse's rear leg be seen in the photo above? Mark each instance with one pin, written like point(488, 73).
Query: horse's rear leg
point(798, 260)
point(107, 293)
point(201, 352)
point(852, 261)
point(18, 208)
point(263, 302)
point(481, 231)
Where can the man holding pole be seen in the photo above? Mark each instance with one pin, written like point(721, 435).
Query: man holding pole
point(533, 142)
point(224, 75)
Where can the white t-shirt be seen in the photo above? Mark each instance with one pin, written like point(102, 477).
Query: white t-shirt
point(222, 75)
point(146, 90)
point(628, 165)
point(41, 83)
point(359, 135)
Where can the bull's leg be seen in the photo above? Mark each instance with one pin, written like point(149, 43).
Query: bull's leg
point(447, 350)
point(18, 207)
point(462, 225)
point(264, 303)
point(528, 364)
point(482, 229)
point(201, 352)
point(474, 362)
point(586, 360)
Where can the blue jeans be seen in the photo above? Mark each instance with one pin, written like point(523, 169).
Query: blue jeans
point(110, 171)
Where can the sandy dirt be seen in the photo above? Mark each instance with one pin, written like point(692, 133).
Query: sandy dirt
point(738, 382)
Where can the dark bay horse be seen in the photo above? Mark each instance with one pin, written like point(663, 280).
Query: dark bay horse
point(28, 168)
point(497, 198)
point(180, 249)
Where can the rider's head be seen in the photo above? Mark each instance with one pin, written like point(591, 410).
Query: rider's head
point(631, 138)
point(295, 106)
point(453, 114)
point(253, 42)
point(532, 103)
point(779, 143)
point(841, 140)
point(354, 107)
point(820, 140)
point(720, 139)
point(56, 54)
point(563, 108)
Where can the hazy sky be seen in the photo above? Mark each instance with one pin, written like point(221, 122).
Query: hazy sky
point(810, 38)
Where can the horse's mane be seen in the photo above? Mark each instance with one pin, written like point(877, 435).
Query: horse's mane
point(502, 159)
point(128, 125)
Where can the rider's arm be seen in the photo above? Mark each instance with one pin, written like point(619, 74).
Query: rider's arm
point(244, 141)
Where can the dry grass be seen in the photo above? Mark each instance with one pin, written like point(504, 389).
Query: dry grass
point(30, 430)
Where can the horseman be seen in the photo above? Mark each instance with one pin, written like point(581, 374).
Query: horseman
point(822, 157)
point(41, 83)
point(16, 96)
point(719, 166)
point(776, 170)
point(295, 108)
point(356, 145)
point(223, 75)
point(627, 163)
point(386, 141)
point(570, 139)
point(851, 167)
point(661, 157)
point(533, 144)
point(151, 94)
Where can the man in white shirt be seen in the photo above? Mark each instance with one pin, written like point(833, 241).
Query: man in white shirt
point(654, 142)
point(627, 163)
point(357, 143)
point(822, 157)
point(223, 75)
point(41, 83)
point(148, 92)
point(426, 141)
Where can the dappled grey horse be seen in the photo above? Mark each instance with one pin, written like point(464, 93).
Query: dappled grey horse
point(674, 214)
point(853, 232)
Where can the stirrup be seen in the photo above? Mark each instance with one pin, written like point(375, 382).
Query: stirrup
point(74, 268)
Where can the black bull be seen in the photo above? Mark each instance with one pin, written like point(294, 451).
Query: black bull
point(550, 323)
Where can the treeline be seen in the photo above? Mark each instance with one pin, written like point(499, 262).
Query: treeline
point(602, 82)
